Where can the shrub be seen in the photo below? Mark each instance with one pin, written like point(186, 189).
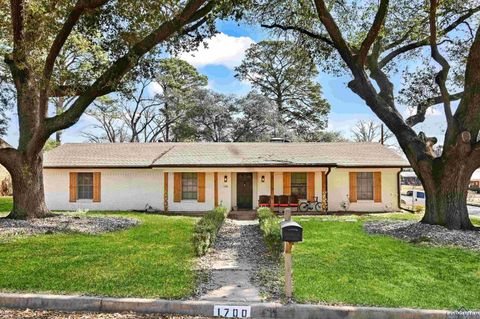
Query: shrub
point(6, 188)
point(207, 229)
point(270, 227)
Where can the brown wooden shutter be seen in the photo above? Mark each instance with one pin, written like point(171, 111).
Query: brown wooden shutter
point(177, 187)
point(215, 186)
point(73, 187)
point(165, 191)
point(311, 186)
point(377, 187)
point(97, 187)
point(287, 183)
point(353, 187)
point(201, 187)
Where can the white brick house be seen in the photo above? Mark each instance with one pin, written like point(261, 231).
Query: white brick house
point(188, 177)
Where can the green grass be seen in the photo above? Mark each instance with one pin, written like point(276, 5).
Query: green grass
point(154, 260)
point(6, 203)
point(339, 263)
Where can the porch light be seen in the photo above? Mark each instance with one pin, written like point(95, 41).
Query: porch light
point(263, 178)
point(225, 178)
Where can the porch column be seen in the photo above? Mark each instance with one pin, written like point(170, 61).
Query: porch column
point(165, 191)
point(272, 190)
point(324, 192)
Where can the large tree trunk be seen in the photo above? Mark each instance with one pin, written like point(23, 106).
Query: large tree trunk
point(28, 192)
point(446, 196)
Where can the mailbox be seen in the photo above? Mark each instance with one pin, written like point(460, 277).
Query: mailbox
point(292, 232)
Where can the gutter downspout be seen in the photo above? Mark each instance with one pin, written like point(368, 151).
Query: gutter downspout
point(326, 188)
point(399, 192)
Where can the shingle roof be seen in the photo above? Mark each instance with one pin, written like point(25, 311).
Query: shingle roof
point(133, 155)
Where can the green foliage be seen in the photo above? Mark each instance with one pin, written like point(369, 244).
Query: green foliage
point(270, 227)
point(152, 260)
point(207, 229)
point(338, 263)
point(287, 77)
point(50, 145)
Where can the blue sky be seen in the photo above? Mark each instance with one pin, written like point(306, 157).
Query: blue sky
point(226, 50)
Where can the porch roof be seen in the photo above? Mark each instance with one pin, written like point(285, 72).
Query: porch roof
point(142, 155)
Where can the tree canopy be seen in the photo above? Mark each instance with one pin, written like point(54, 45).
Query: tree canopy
point(285, 73)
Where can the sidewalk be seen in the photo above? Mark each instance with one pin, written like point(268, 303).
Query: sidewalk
point(235, 261)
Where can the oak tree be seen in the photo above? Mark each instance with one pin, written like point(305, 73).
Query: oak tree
point(33, 34)
point(372, 41)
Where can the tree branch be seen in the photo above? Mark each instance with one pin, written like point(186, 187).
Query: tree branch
point(107, 81)
point(335, 34)
point(373, 32)
point(17, 7)
point(425, 105)
point(80, 7)
point(425, 41)
point(68, 90)
point(441, 77)
point(311, 34)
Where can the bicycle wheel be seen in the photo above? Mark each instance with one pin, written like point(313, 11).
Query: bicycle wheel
point(318, 207)
point(303, 207)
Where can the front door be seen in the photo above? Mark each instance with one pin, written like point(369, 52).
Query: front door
point(244, 191)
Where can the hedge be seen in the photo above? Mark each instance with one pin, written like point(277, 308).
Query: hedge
point(207, 229)
point(270, 227)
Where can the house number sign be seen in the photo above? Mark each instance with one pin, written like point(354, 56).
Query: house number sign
point(232, 311)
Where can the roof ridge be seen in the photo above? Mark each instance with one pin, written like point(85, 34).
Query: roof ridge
point(161, 155)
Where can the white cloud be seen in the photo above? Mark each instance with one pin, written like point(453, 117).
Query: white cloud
point(221, 49)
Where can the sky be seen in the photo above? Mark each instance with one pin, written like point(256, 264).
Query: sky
point(227, 49)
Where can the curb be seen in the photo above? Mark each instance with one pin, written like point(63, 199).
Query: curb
point(205, 308)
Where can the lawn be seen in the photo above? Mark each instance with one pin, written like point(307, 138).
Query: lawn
point(154, 260)
point(340, 264)
point(6, 204)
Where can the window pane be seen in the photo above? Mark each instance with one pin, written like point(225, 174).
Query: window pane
point(85, 186)
point(365, 186)
point(299, 185)
point(189, 185)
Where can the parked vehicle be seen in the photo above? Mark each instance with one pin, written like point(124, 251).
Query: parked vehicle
point(413, 198)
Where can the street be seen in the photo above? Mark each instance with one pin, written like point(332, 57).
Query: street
point(474, 211)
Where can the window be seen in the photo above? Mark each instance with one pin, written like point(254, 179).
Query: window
point(365, 186)
point(189, 185)
point(85, 186)
point(299, 185)
point(420, 195)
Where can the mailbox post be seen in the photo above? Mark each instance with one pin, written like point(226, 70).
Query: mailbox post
point(291, 233)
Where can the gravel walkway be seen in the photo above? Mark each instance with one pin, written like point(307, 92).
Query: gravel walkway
point(423, 233)
point(39, 314)
point(64, 224)
point(239, 268)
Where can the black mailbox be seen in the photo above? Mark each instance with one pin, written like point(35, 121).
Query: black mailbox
point(292, 232)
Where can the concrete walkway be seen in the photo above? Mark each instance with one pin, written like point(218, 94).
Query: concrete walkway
point(232, 261)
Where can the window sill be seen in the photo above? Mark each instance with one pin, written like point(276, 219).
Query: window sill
point(84, 201)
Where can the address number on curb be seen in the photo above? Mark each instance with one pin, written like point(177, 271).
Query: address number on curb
point(232, 311)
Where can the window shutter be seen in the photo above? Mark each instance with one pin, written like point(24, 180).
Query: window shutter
point(353, 187)
point(287, 183)
point(97, 187)
point(177, 187)
point(311, 186)
point(377, 187)
point(324, 182)
point(201, 187)
point(73, 187)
